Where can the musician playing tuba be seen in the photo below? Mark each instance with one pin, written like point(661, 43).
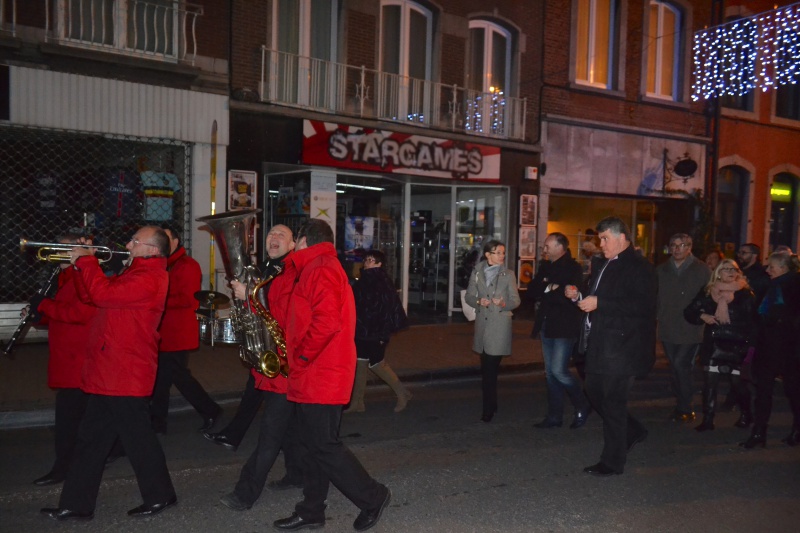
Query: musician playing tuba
point(278, 410)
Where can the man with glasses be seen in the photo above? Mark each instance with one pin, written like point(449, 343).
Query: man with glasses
point(118, 375)
point(749, 261)
point(680, 278)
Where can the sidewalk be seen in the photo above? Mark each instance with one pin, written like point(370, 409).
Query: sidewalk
point(422, 353)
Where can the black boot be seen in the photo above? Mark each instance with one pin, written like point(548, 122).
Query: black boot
point(709, 402)
point(757, 437)
point(793, 439)
point(743, 398)
point(745, 419)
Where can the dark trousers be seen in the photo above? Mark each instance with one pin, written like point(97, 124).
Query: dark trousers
point(490, 367)
point(769, 364)
point(249, 405)
point(326, 460)
point(608, 395)
point(278, 412)
point(70, 406)
point(173, 369)
point(107, 417)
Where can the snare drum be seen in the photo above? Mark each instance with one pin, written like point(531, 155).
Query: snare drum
point(223, 331)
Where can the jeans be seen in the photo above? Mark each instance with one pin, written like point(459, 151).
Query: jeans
point(681, 360)
point(556, 354)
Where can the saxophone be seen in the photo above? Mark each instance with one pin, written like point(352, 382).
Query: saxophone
point(265, 350)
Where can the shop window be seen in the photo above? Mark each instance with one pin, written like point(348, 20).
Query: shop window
point(304, 36)
point(731, 212)
point(663, 50)
point(490, 57)
point(787, 102)
point(406, 41)
point(783, 224)
point(596, 34)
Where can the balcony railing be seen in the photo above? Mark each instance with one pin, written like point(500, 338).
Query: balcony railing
point(8, 17)
point(339, 89)
point(157, 29)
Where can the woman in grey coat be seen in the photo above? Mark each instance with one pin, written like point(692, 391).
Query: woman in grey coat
point(492, 291)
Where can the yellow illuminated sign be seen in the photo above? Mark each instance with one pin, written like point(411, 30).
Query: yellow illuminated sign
point(781, 192)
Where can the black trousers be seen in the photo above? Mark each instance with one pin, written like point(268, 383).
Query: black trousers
point(769, 364)
point(490, 367)
point(70, 406)
point(251, 401)
point(608, 395)
point(278, 413)
point(106, 418)
point(326, 460)
point(173, 369)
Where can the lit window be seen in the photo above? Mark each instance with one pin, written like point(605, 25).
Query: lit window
point(663, 50)
point(595, 42)
point(490, 57)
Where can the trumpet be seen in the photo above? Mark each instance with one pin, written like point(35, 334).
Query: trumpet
point(56, 252)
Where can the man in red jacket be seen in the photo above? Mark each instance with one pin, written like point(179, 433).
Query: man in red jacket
point(118, 375)
point(68, 320)
point(179, 335)
point(320, 333)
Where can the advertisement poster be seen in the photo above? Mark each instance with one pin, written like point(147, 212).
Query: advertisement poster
point(293, 201)
point(359, 233)
point(527, 209)
point(242, 190)
point(527, 242)
point(323, 197)
point(525, 273)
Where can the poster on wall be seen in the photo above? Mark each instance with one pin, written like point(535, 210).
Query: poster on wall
point(359, 233)
point(323, 197)
point(527, 242)
point(525, 272)
point(293, 201)
point(528, 209)
point(242, 190)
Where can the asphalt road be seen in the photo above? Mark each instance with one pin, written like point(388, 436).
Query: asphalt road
point(451, 473)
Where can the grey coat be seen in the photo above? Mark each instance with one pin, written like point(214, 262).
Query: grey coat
point(676, 290)
point(493, 323)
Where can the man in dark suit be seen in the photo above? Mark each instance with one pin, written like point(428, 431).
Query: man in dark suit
point(618, 336)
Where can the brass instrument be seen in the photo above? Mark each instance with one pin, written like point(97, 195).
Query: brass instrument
point(56, 252)
point(263, 338)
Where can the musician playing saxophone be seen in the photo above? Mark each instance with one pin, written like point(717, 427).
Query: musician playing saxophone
point(274, 432)
point(68, 321)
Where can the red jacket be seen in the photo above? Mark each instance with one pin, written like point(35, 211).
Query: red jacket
point(280, 289)
point(68, 320)
point(178, 327)
point(122, 348)
point(320, 328)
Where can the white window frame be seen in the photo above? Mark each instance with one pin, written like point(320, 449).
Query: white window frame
point(590, 52)
point(406, 6)
point(489, 29)
point(660, 51)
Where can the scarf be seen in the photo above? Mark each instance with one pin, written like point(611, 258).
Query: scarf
point(722, 293)
point(491, 273)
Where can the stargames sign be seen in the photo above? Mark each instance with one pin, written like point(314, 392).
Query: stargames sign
point(338, 145)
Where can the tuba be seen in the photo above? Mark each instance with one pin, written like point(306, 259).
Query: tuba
point(263, 337)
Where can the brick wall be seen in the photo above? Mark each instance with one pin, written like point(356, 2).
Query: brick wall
point(251, 24)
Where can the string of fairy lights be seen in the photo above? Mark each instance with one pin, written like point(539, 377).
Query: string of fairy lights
point(758, 52)
point(485, 112)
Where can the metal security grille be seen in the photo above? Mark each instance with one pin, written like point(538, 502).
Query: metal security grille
point(106, 186)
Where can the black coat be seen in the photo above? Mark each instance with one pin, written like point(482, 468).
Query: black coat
point(740, 332)
point(559, 316)
point(779, 321)
point(622, 337)
point(758, 279)
point(379, 311)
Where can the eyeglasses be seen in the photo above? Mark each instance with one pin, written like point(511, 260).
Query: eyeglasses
point(673, 246)
point(137, 241)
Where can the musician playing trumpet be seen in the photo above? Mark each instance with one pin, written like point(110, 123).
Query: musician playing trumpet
point(118, 375)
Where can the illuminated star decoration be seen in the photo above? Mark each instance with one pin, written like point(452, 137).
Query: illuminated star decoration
point(758, 52)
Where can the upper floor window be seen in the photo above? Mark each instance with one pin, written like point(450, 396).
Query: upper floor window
point(596, 34)
point(306, 28)
point(663, 50)
point(406, 38)
point(490, 57)
point(787, 102)
point(741, 102)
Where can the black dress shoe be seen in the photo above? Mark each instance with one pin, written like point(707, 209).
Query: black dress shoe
point(150, 510)
point(60, 514)
point(285, 484)
point(640, 437)
point(209, 421)
point(601, 470)
point(295, 522)
point(367, 519)
point(793, 438)
point(48, 479)
point(221, 439)
point(487, 417)
point(580, 418)
point(233, 501)
point(548, 423)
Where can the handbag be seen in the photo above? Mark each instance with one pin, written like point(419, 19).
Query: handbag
point(468, 310)
point(728, 357)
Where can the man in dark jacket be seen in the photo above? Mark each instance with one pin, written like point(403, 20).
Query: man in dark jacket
point(749, 259)
point(178, 332)
point(618, 332)
point(558, 321)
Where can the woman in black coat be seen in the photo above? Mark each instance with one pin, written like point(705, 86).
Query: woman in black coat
point(727, 307)
point(777, 348)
